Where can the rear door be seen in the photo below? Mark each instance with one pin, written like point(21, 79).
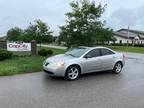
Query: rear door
point(108, 58)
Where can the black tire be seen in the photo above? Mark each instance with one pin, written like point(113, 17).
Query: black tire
point(117, 68)
point(69, 75)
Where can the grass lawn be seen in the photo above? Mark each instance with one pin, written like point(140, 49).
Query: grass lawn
point(25, 64)
point(128, 49)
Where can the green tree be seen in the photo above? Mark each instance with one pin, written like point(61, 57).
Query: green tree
point(104, 35)
point(38, 31)
point(30, 33)
point(14, 34)
point(83, 26)
point(43, 32)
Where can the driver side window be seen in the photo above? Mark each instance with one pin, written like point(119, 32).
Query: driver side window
point(93, 53)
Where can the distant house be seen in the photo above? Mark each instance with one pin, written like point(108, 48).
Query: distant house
point(129, 36)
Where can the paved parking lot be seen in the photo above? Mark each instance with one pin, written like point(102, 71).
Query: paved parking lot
point(99, 90)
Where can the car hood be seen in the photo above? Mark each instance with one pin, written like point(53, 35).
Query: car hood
point(59, 58)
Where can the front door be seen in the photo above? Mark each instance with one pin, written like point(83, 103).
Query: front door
point(92, 61)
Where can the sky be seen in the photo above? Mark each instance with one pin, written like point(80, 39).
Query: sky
point(19, 13)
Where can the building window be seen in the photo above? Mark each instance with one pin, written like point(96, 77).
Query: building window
point(127, 41)
point(120, 41)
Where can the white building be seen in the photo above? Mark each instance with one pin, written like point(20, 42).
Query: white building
point(129, 36)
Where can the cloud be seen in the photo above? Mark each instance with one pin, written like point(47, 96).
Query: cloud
point(124, 17)
point(21, 12)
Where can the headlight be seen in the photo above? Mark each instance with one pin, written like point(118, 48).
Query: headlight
point(60, 64)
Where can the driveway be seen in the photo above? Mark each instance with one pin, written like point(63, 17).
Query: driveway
point(98, 90)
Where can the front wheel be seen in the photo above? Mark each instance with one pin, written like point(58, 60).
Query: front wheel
point(117, 68)
point(72, 73)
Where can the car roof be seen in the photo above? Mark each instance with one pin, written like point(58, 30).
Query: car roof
point(103, 47)
point(92, 47)
point(99, 47)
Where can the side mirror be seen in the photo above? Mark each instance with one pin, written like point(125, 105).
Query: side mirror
point(87, 56)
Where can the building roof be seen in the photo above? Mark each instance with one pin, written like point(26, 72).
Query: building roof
point(132, 33)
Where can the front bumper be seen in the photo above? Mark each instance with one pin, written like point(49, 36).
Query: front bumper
point(48, 72)
point(54, 70)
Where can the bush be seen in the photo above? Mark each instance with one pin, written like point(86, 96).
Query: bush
point(45, 52)
point(122, 44)
point(139, 45)
point(50, 52)
point(4, 54)
point(130, 44)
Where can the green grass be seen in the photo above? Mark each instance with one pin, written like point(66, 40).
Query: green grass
point(128, 49)
point(25, 53)
point(24, 64)
point(18, 65)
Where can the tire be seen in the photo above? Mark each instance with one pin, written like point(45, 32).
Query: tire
point(72, 73)
point(117, 68)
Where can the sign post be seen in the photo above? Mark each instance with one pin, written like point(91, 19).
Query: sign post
point(33, 48)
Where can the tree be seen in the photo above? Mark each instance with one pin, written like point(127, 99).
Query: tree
point(43, 31)
point(83, 26)
point(104, 35)
point(38, 31)
point(14, 34)
point(30, 33)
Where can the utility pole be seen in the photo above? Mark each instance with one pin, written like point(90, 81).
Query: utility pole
point(128, 36)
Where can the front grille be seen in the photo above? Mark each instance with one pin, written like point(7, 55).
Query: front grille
point(48, 72)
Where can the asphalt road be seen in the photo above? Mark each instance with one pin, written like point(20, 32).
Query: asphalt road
point(99, 90)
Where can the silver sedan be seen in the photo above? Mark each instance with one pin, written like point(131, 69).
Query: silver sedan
point(83, 60)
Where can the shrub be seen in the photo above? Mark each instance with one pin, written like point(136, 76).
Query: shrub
point(4, 54)
point(45, 52)
point(130, 44)
point(139, 45)
point(50, 52)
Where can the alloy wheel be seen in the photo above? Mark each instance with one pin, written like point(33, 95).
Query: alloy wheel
point(72, 73)
point(117, 68)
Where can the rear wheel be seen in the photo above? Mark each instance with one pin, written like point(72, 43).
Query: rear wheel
point(72, 73)
point(117, 68)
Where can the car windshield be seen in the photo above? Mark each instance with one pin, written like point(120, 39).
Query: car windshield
point(77, 52)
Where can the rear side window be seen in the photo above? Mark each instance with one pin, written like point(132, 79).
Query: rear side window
point(106, 52)
point(94, 53)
